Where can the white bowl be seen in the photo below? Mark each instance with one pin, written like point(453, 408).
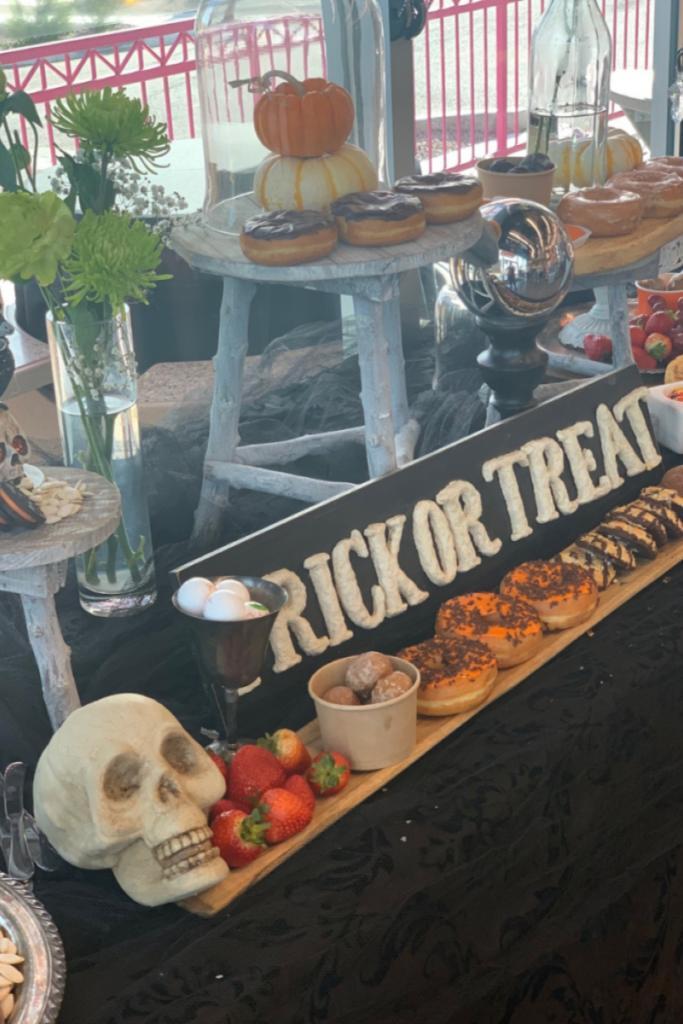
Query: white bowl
point(578, 235)
point(369, 736)
point(667, 417)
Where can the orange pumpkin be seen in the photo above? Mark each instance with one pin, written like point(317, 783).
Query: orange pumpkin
point(303, 119)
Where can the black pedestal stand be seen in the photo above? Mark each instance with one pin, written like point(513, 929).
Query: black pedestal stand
point(513, 365)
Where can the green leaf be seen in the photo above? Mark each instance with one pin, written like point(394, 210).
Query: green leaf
point(8, 173)
point(20, 102)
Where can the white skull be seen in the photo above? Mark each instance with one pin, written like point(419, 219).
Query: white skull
point(14, 447)
point(121, 785)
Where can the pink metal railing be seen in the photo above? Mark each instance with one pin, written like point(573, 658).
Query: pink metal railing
point(158, 63)
point(471, 67)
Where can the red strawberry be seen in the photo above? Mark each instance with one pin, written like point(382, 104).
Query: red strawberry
point(638, 337)
point(642, 360)
point(286, 812)
point(223, 768)
point(658, 346)
point(661, 322)
point(224, 806)
point(288, 749)
point(638, 321)
point(239, 837)
point(297, 784)
point(328, 774)
point(598, 347)
point(253, 770)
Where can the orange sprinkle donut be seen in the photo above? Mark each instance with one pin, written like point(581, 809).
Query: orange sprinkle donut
point(563, 595)
point(455, 675)
point(510, 628)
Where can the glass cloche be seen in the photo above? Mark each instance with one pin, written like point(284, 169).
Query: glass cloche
point(292, 104)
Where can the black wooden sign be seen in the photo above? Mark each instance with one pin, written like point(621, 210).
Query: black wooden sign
point(368, 570)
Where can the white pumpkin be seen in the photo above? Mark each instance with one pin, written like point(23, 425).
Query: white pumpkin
point(291, 183)
point(623, 153)
point(574, 164)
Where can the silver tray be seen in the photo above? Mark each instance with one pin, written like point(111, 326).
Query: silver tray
point(32, 929)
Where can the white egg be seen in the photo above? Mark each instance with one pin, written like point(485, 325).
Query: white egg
point(255, 610)
point(224, 606)
point(235, 587)
point(194, 594)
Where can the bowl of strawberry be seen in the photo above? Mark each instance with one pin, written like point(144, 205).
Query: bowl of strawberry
point(656, 338)
point(271, 792)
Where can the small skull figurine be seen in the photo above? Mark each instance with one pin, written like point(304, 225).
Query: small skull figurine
point(14, 447)
point(121, 785)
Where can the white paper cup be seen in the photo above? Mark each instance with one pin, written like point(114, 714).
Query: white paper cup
point(370, 736)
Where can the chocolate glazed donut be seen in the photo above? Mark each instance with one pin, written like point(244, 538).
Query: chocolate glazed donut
point(283, 238)
point(378, 218)
point(447, 197)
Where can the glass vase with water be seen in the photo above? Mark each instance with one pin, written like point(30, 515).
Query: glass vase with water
point(96, 390)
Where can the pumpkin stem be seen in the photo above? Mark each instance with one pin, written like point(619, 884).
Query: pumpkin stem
point(261, 83)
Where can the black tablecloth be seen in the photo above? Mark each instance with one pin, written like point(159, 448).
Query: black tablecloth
point(462, 881)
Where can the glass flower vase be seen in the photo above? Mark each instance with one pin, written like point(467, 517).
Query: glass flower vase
point(95, 381)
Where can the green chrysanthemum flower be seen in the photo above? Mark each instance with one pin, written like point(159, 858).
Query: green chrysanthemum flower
point(36, 232)
point(113, 260)
point(112, 122)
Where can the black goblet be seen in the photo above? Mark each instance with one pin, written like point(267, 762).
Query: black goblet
point(230, 654)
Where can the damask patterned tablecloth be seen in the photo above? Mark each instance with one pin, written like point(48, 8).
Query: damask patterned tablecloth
point(456, 887)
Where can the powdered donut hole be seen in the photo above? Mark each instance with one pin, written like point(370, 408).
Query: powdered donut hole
point(389, 687)
point(365, 671)
point(341, 695)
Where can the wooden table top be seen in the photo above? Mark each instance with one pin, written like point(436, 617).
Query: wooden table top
point(602, 255)
point(55, 542)
point(217, 252)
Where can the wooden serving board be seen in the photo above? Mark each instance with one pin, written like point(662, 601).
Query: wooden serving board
point(604, 255)
point(430, 731)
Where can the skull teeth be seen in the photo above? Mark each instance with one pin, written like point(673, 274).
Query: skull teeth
point(185, 852)
point(190, 863)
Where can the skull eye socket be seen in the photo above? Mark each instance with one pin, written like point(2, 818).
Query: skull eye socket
point(122, 778)
point(20, 445)
point(179, 753)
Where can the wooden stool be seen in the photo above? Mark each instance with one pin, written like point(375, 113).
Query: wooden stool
point(33, 564)
point(372, 277)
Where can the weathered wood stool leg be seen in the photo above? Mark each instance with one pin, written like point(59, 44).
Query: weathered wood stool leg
point(227, 401)
point(375, 363)
point(37, 587)
point(622, 353)
point(406, 431)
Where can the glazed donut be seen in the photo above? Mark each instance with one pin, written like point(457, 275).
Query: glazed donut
point(447, 197)
point(661, 191)
point(456, 675)
point(670, 164)
point(378, 218)
point(511, 629)
point(606, 212)
point(284, 238)
point(563, 595)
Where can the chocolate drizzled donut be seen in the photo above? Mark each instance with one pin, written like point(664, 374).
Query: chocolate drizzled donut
point(282, 224)
point(440, 181)
point(375, 206)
